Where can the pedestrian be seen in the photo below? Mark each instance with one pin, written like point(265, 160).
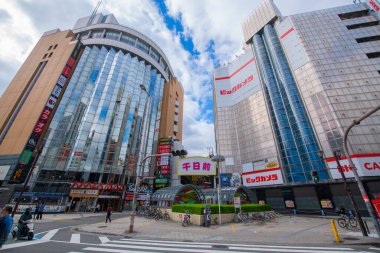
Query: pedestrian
point(22, 222)
point(41, 208)
point(36, 209)
point(6, 223)
point(97, 208)
point(109, 213)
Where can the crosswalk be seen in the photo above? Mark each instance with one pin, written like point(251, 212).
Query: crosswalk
point(159, 246)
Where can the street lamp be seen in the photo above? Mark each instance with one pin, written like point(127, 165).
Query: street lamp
point(218, 159)
point(338, 155)
point(140, 178)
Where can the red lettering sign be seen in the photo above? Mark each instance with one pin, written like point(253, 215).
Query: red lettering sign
point(196, 166)
point(66, 71)
point(186, 166)
point(39, 127)
point(237, 87)
point(71, 62)
point(374, 5)
point(372, 166)
point(206, 166)
point(45, 114)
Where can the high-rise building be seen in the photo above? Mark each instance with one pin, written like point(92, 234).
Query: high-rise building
point(299, 84)
point(106, 119)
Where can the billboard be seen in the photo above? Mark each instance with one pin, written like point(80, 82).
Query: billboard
point(374, 5)
point(236, 82)
point(367, 165)
point(25, 161)
point(196, 166)
point(263, 177)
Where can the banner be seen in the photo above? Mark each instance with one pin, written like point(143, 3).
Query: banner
point(263, 177)
point(368, 165)
point(25, 161)
point(196, 165)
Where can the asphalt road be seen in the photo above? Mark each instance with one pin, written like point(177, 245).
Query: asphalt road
point(60, 236)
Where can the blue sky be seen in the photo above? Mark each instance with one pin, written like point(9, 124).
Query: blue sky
point(196, 36)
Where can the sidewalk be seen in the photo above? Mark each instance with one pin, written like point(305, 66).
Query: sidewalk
point(49, 217)
point(283, 230)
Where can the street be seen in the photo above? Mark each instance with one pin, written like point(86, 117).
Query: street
point(60, 235)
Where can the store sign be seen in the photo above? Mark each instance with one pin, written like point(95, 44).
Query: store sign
point(375, 5)
point(326, 203)
point(367, 165)
point(79, 193)
point(263, 177)
point(236, 82)
point(25, 161)
point(196, 165)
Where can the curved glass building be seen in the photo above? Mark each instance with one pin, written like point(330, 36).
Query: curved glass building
point(109, 116)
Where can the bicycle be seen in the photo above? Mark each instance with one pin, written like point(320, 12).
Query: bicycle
point(186, 219)
point(347, 220)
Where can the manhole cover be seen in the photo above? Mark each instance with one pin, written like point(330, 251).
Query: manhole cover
point(220, 246)
point(351, 238)
point(102, 226)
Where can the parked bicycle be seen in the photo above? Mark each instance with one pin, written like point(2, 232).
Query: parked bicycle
point(347, 220)
point(186, 219)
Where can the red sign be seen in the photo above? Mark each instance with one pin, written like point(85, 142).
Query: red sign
point(374, 5)
point(164, 149)
point(263, 177)
point(237, 87)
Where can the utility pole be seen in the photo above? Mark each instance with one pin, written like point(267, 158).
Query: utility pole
point(218, 159)
point(363, 192)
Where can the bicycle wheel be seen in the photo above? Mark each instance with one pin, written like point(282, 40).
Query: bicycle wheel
point(353, 222)
point(342, 223)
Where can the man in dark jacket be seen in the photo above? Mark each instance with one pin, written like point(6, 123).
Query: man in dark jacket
point(6, 223)
point(109, 213)
point(27, 215)
point(41, 208)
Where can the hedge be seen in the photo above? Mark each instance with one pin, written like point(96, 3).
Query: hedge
point(198, 208)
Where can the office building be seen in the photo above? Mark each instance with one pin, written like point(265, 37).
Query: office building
point(299, 84)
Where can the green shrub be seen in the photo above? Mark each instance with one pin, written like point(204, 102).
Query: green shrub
point(198, 208)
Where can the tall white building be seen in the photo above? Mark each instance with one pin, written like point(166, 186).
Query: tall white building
point(300, 83)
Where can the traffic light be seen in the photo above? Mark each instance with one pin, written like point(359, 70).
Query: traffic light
point(314, 175)
point(179, 152)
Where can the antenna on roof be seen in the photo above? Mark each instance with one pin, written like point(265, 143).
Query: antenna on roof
point(94, 12)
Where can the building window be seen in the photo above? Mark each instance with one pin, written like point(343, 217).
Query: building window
point(362, 25)
point(373, 55)
point(355, 14)
point(368, 39)
point(97, 34)
point(50, 47)
point(55, 46)
point(44, 56)
point(50, 54)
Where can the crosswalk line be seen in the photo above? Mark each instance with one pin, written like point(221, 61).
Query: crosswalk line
point(49, 235)
point(238, 245)
point(112, 250)
point(75, 238)
point(104, 239)
point(151, 249)
point(154, 243)
point(374, 248)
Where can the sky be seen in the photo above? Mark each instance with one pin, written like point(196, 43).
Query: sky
point(196, 36)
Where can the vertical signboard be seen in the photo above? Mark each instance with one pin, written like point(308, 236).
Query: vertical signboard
point(26, 160)
point(163, 164)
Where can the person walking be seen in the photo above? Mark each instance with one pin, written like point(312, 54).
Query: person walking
point(109, 213)
point(41, 208)
point(97, 209)
point(36, 209)
point(6, 224)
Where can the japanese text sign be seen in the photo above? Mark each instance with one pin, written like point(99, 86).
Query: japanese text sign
point(196, 165)
point(263, 177)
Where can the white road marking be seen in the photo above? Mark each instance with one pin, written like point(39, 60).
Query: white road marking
point(154, 243)
point(49, 235)
point(21, 244)
point(114, 250)
point(374, 248)
point(239, 245)
point(75, 238)
point(104, 239)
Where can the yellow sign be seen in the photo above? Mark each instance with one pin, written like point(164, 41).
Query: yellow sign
point(83, 193)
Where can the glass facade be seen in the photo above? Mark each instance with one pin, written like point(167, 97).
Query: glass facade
point(108, 114)
point(297, 142)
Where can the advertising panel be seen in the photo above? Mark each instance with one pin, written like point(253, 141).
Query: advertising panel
point(196, 165)
point(236, 82)
point(265, 164)
point(367, 165)
point(25, 160)
point(82, 193)
point(263, 177)
point(291, 43)
point(374, 5)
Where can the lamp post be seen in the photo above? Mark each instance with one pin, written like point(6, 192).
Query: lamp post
point(139, 178)
point(338, 155)
point(365, 197)
point(218, 159)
